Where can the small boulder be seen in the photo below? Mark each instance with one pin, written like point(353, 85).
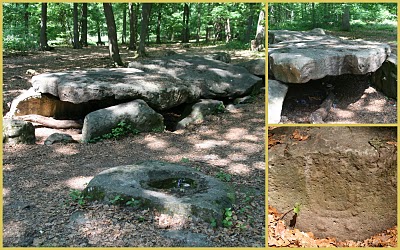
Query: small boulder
point(136, 113)
point(197, 112)
point(58, 137)
point(255, 67)
point(18, 132)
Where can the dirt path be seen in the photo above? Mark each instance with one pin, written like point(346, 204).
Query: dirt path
point(38, 178)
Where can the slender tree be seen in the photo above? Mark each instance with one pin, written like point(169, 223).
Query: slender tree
point(146, 8)
point(346, 18)
point(43, 28)
point(76, 44)
point(112, 34)
point(84, 25)
point(26, 17)
point(158, 28)
point(132, 26)
point(185, 29)
point(124, 23)
point(199, 5)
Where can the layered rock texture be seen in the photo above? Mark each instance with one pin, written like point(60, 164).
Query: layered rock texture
point(345, 178)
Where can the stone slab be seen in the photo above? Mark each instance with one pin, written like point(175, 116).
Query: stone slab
point(345, 177)
point(302, 57)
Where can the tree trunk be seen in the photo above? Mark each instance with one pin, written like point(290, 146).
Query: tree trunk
point(158, 29)
point(124, 24)
point(314, 25)
point(76, 44)
point(26, 18)
point(146, 8)
point(227, 31)
point(132, 26)
point(185, 29)
point(346, 19)
point(198, 22)
point(112, 34)
point(250, 20)
point(84, 25)
point(43, 28)
point(99, 42)
point(258, 43)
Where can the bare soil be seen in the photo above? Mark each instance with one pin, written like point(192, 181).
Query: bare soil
point(37, 179)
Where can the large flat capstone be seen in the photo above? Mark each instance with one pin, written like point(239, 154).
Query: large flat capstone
point(345, 178)
point(204, 198)
point(300, 56)
point(163, 83)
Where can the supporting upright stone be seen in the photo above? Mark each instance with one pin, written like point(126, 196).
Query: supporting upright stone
point(276, 95)
point(18, 132)
point(136, 113)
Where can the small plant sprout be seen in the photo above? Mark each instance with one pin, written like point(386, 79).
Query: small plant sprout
point(116, 199)
point(227, 222)
point(133, 203)
point(296, 208)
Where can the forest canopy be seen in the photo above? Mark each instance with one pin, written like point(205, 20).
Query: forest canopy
point(306, 16)
point(234, 23)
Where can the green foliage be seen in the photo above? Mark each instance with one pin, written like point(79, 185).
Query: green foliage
point(185, 160)
point(133, 203)
point(116, 200)
point(296, 208)
point(77, 196)
point(221, 108)
point(223, 176)
point(306, 16)
point(203, 17)
point(122, 129)
point(213, 223)
point(237, 45)
point(227, 221)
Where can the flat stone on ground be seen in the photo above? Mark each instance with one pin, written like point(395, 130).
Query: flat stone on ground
point(206, 199)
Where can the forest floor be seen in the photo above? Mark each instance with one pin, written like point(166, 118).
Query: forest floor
point(356, 99)
point(37, 179)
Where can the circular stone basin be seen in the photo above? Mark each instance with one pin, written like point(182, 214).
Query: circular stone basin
point(170, 188)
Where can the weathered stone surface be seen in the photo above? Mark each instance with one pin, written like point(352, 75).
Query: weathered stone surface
point(308, 56)
point(58, 138)
point(198, 111)
point(220, 56)
point(16, 132)
point(276, 95)
point(345, 177)
point(31, 102)
point(256, 66)
point(161, 91)
point(162, 83)
point(212, 77)
point(188, 239)
point(207, 199)
point(47, 105)
point(385, 78)
point(137, 113)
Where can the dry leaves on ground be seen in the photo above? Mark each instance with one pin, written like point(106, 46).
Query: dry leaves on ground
point(280, 235)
